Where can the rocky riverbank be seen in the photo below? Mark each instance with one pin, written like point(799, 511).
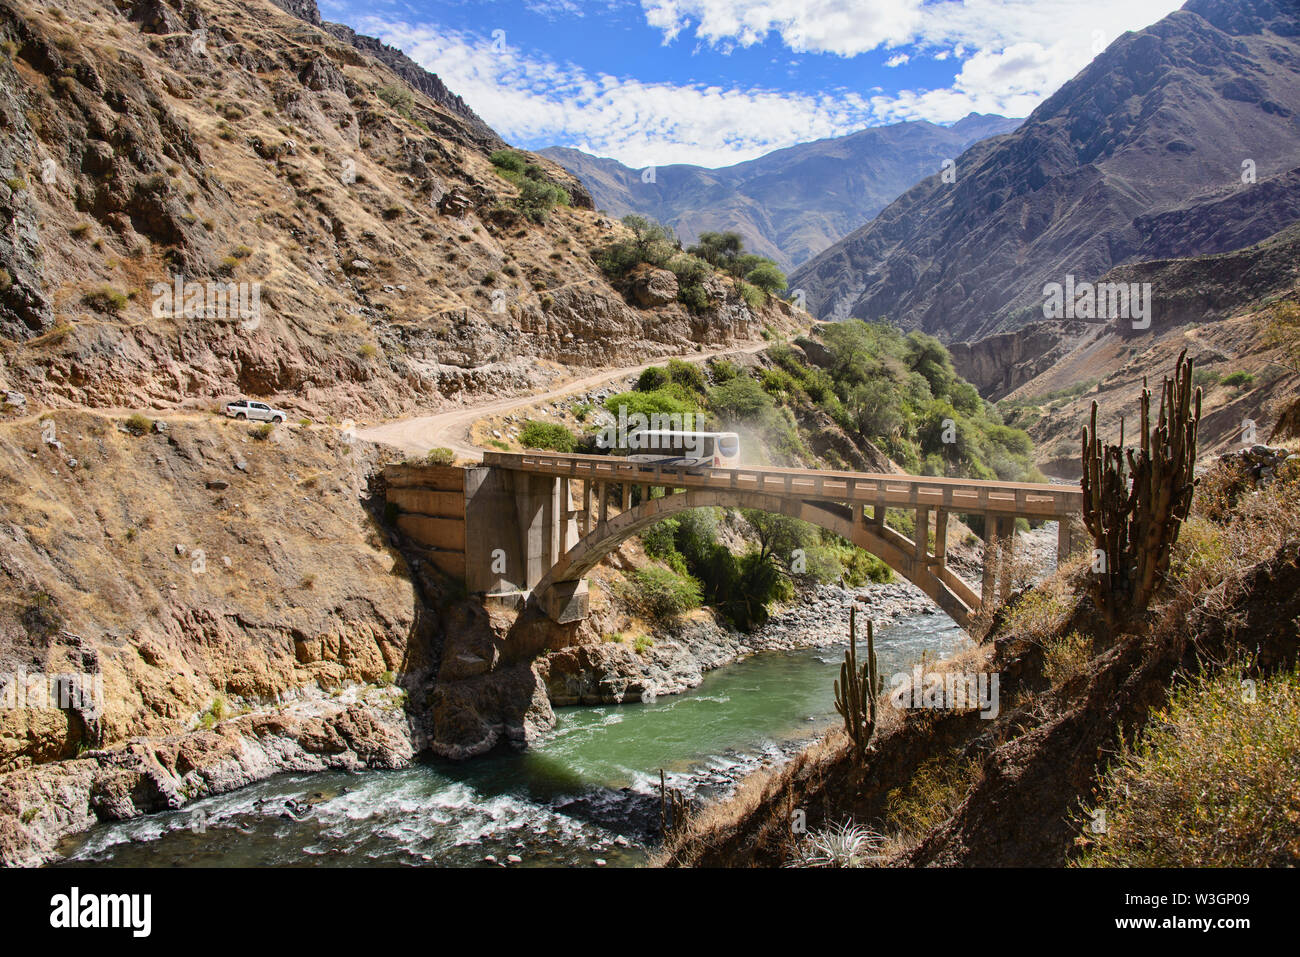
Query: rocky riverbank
point(358, 729)
point(618, 672)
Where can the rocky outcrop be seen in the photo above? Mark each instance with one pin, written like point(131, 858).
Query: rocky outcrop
point(39, 806)
point(998, 364)
point(653, 287)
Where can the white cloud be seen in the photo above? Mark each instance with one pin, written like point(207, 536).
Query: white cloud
point(850, 27)
point(535, 100)
point(1013, 54)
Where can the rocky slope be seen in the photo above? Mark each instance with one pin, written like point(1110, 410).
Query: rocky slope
point(234, 143)
point(1142, 156)
point(232, 588)
point(1212, 306)
point(945, 786)
point(794, 202)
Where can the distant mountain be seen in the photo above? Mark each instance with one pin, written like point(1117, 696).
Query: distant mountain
point(1141, 156)
point(794, 202)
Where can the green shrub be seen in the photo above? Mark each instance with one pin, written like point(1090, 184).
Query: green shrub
point(652, 379)
point(509, 161)
point(724, 370)
point(398, 97)
point(1239, 380)
point(440, 456)
point(651, 243)
point(666, 401)
point(536, 199)
point(138, 424)
point(105, 299)
point(546, 435)
point(261, 432)
point(753, 296)
point(663, 594)
point(688, 375)
point(740, 400)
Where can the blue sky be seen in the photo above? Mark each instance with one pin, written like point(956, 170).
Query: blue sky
point(714, 82)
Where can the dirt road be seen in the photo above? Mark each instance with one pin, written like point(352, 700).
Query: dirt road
point(451, 429)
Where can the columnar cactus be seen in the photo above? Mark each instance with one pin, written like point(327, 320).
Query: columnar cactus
point(856, 691)
point(1135, 500)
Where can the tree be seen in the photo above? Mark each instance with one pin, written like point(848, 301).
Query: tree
point(767, 277)
point(718, 249)
point(779, 535)
point(740, 400)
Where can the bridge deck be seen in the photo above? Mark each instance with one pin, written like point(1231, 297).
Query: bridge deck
point(1027, 499)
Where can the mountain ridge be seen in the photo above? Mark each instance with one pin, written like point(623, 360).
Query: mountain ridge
point(789, 203)
point(1103, 173)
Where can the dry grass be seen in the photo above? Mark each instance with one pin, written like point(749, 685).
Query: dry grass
point(931, 796)
point(1066, 657)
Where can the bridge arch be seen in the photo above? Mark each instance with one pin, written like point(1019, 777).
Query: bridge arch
point(900, 553)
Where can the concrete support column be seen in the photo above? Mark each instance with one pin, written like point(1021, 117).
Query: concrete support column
point(567, 601)
point(989, 581)
point(922, 534)
point(565, 514)
point(1006, 549)
point(940, 538)
point(1062, 541)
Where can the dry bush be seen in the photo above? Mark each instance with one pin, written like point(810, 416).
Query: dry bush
point(1212, 783)
point(1066, 657)
point(932, 796)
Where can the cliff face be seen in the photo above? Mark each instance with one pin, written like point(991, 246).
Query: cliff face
point(227, 142)
point(998, 364)
point(1105, 172)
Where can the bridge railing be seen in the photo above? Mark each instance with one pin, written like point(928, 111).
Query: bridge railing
point(1026, 499)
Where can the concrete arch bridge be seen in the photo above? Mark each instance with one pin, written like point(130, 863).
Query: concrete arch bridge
point(535, 524)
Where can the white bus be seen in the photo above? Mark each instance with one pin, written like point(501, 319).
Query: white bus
point(685, 449)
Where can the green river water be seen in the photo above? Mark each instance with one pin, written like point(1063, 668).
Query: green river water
point(588, 791)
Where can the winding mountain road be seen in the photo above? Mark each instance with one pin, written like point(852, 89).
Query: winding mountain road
point(451, 429)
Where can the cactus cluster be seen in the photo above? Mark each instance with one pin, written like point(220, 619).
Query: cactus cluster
point(1135, 500)
point(856, 691)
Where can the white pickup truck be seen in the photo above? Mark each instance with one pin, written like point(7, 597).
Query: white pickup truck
point(257, 411)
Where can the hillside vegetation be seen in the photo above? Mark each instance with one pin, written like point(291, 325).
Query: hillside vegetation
point(1165, 741)
point(854, 395)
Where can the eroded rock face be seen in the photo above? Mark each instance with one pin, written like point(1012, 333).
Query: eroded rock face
point(375, 287)
point(996, 365)
point(195, 564)
point(654, 287)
